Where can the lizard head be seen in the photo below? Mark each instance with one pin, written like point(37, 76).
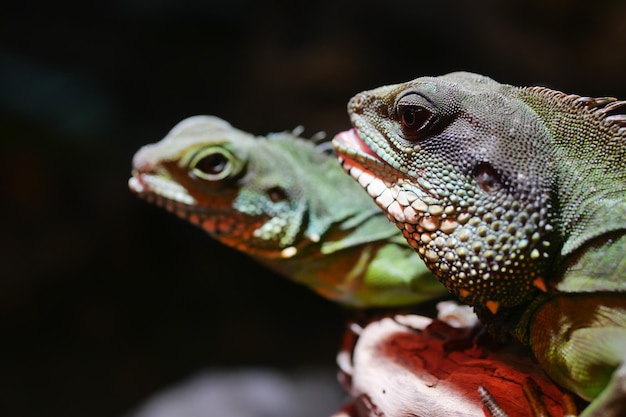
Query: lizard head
point(222, 180)
point(462, 167)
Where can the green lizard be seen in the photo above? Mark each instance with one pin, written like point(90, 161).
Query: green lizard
point(515, 198)
point(284, 201)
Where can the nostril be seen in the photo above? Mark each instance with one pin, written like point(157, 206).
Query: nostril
point(356, 103)
point(144, 159)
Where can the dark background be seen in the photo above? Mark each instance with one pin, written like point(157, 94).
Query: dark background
point(105, 299)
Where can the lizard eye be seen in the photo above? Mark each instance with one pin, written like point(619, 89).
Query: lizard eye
point(212, 165)
point(414, 118)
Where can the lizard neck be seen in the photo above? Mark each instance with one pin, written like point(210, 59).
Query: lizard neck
point(589, 154)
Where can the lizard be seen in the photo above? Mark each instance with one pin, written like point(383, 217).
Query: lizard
point(284, 201)
point(515, 198)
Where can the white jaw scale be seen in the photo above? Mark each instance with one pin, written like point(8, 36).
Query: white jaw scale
point(146, 185)
point(410, 207)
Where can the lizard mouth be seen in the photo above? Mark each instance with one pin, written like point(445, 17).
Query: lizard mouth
point(350, 139)
point(174, 198)
point(170, 195)
point(356, 158)
point(393, 193)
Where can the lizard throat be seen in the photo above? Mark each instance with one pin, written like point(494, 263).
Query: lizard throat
point(476, 254)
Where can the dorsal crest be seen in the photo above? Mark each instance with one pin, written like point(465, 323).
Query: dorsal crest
point(608, 111)
point(590, 137)
point(604, 108)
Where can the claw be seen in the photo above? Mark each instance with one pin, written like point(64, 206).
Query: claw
point(490, 403)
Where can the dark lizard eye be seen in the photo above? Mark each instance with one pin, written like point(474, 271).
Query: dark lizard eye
point(415, 118)
point(211, 165)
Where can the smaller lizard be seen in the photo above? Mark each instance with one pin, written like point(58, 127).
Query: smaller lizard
point(284, 201)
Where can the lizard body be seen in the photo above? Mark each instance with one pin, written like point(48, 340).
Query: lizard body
point(515, 198)
point(284, 201)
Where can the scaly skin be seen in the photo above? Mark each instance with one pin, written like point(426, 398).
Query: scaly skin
point(515, 198)
point(284, 201)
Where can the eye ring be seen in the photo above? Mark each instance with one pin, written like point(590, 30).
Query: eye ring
point(212, 165)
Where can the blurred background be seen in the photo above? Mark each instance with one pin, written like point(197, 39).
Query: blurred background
point(106, 301)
